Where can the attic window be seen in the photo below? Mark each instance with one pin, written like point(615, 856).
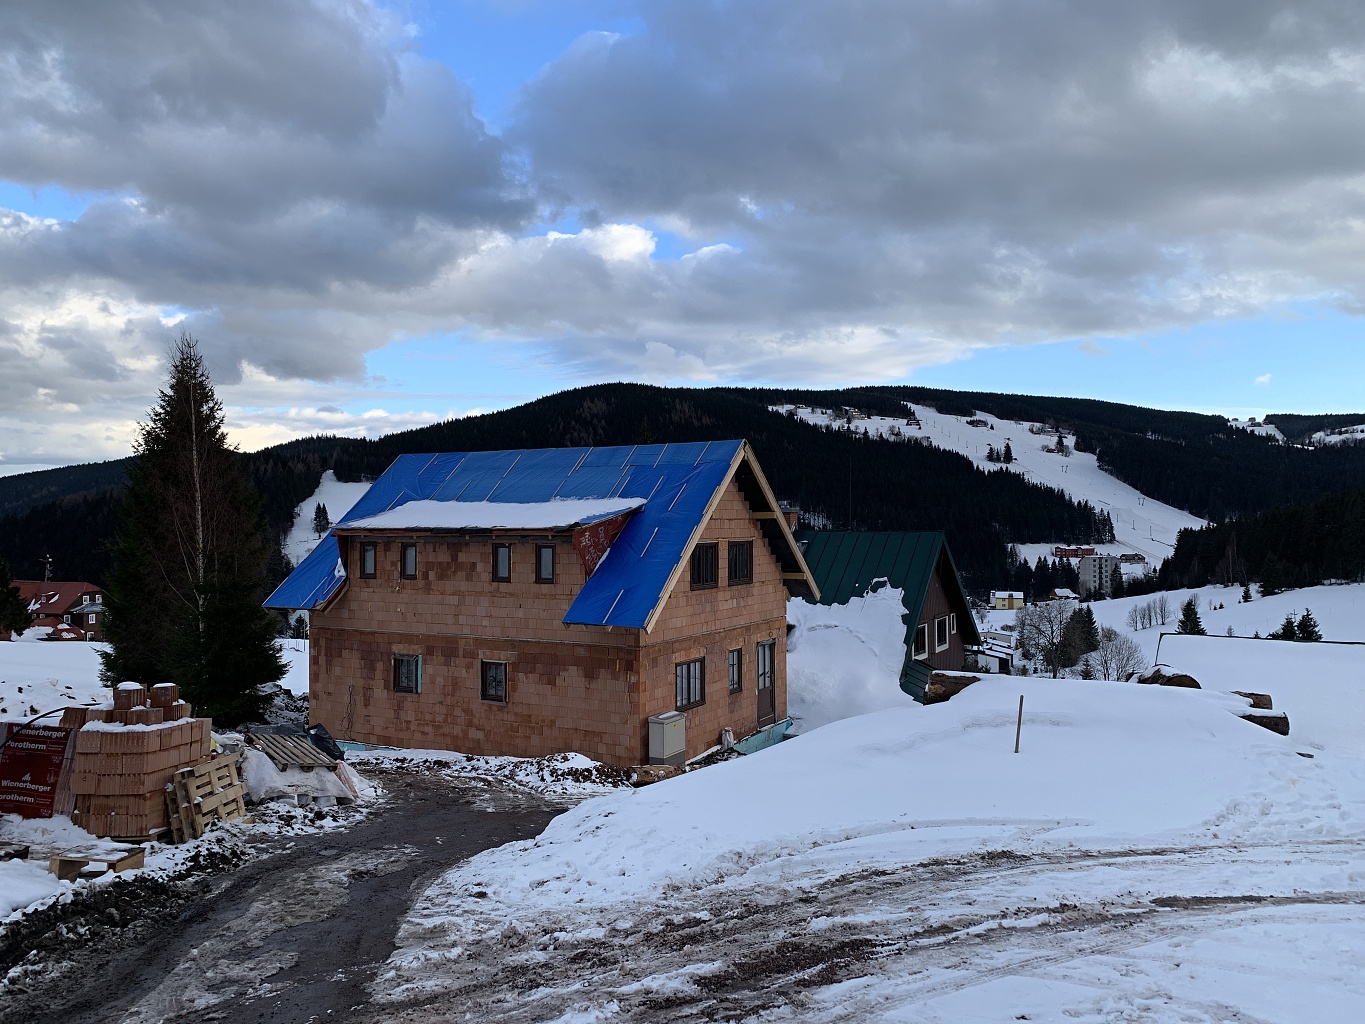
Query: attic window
point(741, 555)
point(922, 640)
point(545, 563)
point(502, 563)
point(705, 566)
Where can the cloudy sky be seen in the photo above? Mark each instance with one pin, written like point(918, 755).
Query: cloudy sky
point(374, 215)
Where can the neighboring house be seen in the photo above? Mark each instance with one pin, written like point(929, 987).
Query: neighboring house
point(1071, 552)
point(1007, 600)
point(532, 602)
point(1097, 574)
point(938, 617)
point(1064, 594)
point(79, 607)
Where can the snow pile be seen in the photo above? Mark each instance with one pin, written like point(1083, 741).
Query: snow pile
point(487, 515)
point(37, 676)
point(845, 660)
point(24, 883)
point(1103, 765)
point(563, 776)
point(1320, 686)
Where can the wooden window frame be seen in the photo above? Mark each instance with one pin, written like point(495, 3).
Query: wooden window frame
point(734, 668)
point(507, 576)
point(941, 626)
point(770, 646)
point(705, 566)
point(403, 550)
point(921, 649)
point(369, 547)
point(695, 696)
point(745, 549)
point(952, 623)
point(414, 659)
point(540, 550)
point(487, 668)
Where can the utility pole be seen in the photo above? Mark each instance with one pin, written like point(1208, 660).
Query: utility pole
point(47, 568)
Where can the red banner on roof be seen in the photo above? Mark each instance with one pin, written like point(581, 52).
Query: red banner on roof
point(31, 768)
point(592, 542)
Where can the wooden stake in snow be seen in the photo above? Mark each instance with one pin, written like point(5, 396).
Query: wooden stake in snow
point(1019, 723)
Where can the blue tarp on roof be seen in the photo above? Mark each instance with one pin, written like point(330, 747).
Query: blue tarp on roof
point(677, 482)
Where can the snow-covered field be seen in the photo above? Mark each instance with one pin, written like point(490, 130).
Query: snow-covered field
point(337, 496)
point(1340, 611)
point(1146, 856)
point(1141, 524)
point(1341, 435)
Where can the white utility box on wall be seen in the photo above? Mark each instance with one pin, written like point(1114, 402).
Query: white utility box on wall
point(668, 738)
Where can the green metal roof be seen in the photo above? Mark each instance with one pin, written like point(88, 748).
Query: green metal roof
point(846, 565)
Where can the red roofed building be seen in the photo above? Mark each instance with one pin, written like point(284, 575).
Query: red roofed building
point(73, 611)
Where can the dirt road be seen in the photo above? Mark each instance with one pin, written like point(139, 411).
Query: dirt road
point(295, 936)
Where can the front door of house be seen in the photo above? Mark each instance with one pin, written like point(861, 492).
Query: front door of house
point(767, 671)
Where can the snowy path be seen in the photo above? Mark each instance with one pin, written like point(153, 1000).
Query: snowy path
point(290, 938)
point(1065, 934)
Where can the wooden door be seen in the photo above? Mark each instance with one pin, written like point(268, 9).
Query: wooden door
point(767, 694)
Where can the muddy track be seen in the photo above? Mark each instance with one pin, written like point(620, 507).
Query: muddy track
point(937, 927)
point(292, 937)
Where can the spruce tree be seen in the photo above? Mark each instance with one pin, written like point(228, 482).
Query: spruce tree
point(14, 617)
point(1306, 630)
point(1116, 586)
point(1246, 593)
point(321, 522)
point(1289, 629)
point(1007, 456)
point(1190, 622)
point(189, 568)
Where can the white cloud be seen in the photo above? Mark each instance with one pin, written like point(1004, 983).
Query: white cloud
point(1263, 379)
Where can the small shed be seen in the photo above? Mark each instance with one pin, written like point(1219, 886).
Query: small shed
point(938, 620)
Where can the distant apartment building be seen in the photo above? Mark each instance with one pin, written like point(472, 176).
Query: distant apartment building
point(1096, 574)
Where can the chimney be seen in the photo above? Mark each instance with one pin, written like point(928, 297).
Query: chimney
point(791, 512)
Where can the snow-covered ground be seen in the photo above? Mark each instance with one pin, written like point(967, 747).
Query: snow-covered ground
point(1340, 611)
point(40, 675)
point(1141, 524)
point(337, 496)
point(1146, 856)
point(1341, 435)
point(1264, 429)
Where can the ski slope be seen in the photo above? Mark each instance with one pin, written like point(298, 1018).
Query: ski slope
point(337, 496)
point(1141, 524)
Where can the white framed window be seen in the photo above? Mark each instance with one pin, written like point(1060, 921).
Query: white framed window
point(941, 633)
point(922, 641)
point(952, 623)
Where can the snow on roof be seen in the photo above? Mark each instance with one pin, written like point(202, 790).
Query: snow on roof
point(671, 485)
point(557, 513)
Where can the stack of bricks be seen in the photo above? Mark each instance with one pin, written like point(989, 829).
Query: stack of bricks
point(126, 754)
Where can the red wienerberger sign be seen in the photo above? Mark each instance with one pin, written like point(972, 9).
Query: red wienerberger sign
point(30, 769)
point(592, 542)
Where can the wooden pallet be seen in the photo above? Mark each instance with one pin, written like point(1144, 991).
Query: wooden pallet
point(210, 791)
point(95, 860)
point(290, 752)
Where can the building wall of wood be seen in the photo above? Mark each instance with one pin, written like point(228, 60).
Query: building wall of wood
point(587, 689)
point(936, 605)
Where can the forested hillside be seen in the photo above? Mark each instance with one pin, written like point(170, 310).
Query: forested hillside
point(843, 479)
point(1291, 546)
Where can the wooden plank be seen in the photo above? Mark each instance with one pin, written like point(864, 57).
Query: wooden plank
point(290, 751)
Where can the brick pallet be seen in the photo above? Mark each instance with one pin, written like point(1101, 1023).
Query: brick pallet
point(126, 754)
